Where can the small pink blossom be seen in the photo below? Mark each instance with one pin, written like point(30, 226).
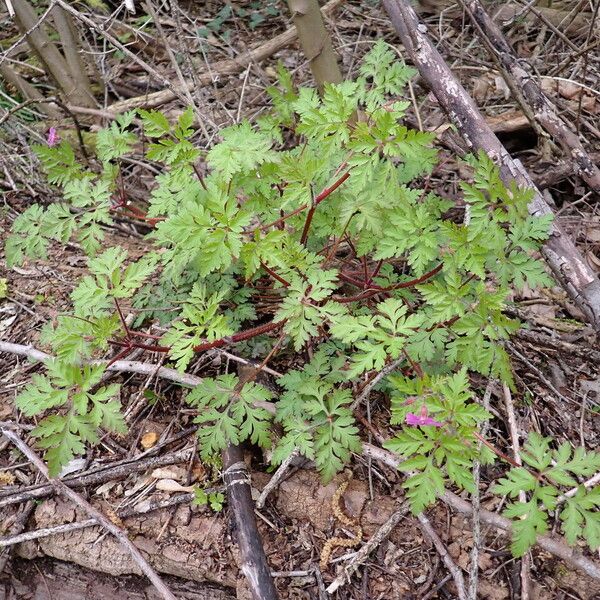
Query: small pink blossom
point(52, 138)
point(422, 419)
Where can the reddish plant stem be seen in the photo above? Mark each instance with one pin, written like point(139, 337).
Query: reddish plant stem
point(200, 178)
point(324, 194)
point(149, 336)
point(396, 286)
point(495, 450)
point(375, 272)
point(131, 344)
point(309, 217)
point(366, 272)
point(122, 354)
point(240, 336)
point(274, 275)
point(123, 322)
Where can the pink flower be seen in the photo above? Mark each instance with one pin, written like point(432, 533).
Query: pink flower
point(52, 138)
point(422, 419)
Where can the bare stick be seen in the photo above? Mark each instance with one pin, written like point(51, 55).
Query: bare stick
point(54, 62)
point(94, 513)
point(177, 93)
point(125, 366)
point(71, 50)
point(553, 545)
point(565, 260)
point(476, 502)
point(277, 477)
point(254, 562)
point(366, 392)
point(361, 556)
point(443, 552)
point(516, 452)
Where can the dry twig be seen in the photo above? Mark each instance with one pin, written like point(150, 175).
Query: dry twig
point(443, 552)
point(516, 451)
point(94, 513)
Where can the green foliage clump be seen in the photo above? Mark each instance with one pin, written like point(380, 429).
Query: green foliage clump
point(580, 517)
point(312, 223)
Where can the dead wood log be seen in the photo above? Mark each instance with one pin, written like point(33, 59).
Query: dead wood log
point(254, 562)
point(561, 255)
point(544, 111)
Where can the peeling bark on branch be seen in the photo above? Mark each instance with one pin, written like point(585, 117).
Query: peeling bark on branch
point(315, 41)
point(254, 562)
point(544, 111)
point(561, 255)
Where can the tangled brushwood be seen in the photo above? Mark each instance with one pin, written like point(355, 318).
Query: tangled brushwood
point(310, 229)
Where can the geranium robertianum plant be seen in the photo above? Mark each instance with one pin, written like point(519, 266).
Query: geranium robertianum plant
point(313, 232)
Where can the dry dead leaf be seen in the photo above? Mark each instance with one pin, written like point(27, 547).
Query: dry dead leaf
point(149, 439)
point(6, 478)
point(593, 261)
point(481, 88)
point(171, 472)
point(170, 485)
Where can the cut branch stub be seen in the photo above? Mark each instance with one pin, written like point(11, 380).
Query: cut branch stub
point(566, 262)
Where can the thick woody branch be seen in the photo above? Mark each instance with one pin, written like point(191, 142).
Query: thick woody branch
point(254, 562)
point(543, 109)
point(53, 60)
point(315, 41)
point(567, 264)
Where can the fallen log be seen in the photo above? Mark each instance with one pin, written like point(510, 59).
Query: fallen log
point(563, 258)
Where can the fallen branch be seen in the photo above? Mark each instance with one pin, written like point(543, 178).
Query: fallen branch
point(544, 111)
point(220, 68)
point(561, 255)
point(254, 564)
point(94, 513)
point(555, 546)
point(455, 571)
